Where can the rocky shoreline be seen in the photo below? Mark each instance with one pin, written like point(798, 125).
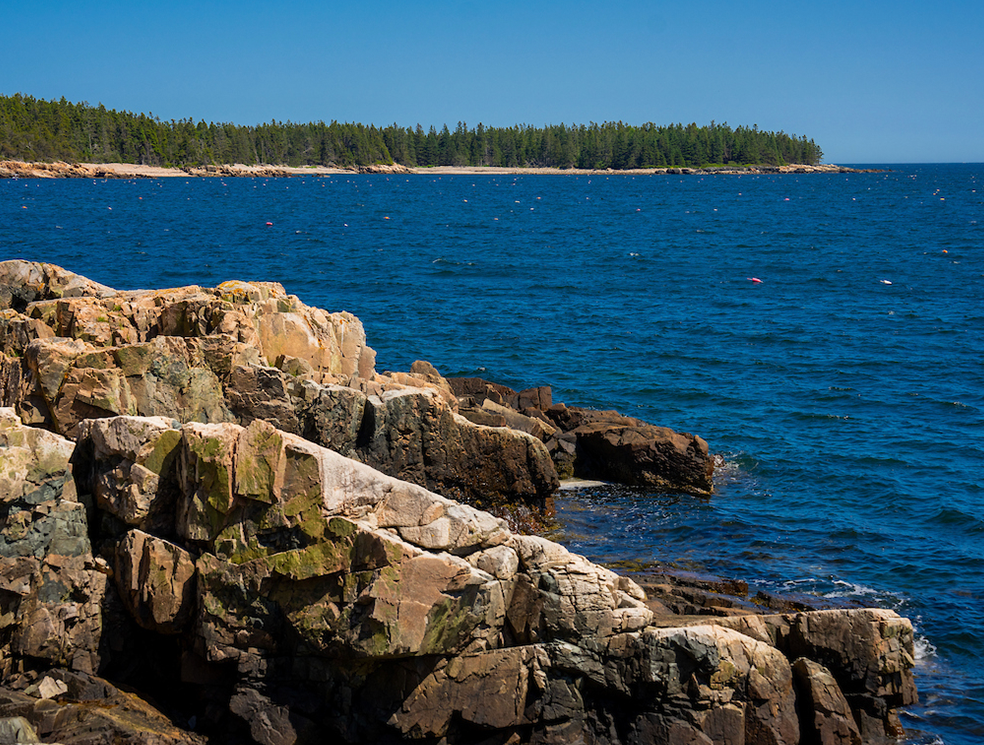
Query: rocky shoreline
point(221, 524)
point(19, 169)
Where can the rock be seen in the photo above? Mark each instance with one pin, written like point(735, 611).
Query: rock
point(215, 355)
point(376, 609)
point(649, 456)
point(258, 392)
point(269, 723)
point(868, 652)
point(530, 425)
point(156, 580)
point(279, 591)
point(715, 683)
point(139, 490)
point(259, 315)
point(588, 444)
point(15, 730)
point(90, 710)
point(832, 722)
point(24, 282)
point(489, 690)
point(168, 376)
point(414, 435)
point(52, 587)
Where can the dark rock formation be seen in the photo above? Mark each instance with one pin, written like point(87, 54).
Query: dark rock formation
point(589, 444)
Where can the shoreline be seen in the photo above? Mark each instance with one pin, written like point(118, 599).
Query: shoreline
point(22, 169)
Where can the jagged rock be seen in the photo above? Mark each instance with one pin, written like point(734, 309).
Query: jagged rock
point(593, 444)
point(167, 376)
point(259, 315)
point(832, 722)
point(248, 351)
point(303, 549)
point(868, 650)
point(531, 425)
point(716, 683)
point(142, 451)
point(284, 591)
point(156, 580)
point(270, 723)
point(490, 690)
point(51, 585)
point(258, 392)
point(415, 435)
point(24, 282)
point(91, 710)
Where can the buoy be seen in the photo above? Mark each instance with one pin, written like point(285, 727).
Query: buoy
point(269, 224)
point(755, 280)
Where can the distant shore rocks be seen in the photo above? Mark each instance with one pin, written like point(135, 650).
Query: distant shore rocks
point(20, 169)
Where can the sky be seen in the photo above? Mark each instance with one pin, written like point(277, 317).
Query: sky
point(869, 81)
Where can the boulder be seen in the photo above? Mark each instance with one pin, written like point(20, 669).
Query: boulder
point(649, 456)
point(415, 435)
point(831, 722)
point(24, 282)
point(589, 444)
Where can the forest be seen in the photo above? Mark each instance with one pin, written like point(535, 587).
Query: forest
point(34, 129)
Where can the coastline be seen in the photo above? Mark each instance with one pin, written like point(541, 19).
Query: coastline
point(21, 169)
point(375, 608)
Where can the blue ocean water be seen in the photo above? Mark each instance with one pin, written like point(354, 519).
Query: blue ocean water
point(843, 391)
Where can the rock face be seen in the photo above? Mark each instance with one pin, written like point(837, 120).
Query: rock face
point(283, 593)
point(592, 444)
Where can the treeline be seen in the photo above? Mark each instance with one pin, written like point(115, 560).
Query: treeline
point(38, 130)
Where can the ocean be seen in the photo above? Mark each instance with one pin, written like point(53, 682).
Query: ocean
point(823, 332)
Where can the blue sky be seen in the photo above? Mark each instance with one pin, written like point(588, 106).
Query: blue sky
point(870, 82)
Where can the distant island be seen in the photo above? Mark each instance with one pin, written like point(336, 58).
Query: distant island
point(41, 131)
